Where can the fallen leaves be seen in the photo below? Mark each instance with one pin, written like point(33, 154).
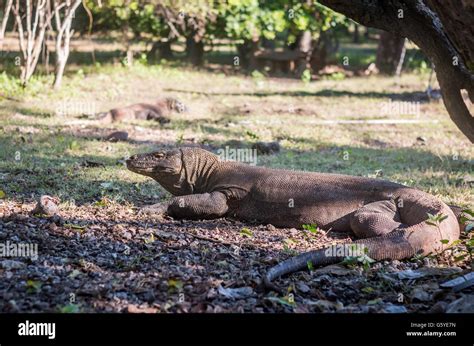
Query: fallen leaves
point(114, 260)
point(427, 271)
point(235, 293)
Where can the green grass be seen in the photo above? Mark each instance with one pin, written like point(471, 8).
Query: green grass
point(53, 153)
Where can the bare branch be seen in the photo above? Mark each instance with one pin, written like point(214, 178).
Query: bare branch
point(6, 15)
point(63, 35)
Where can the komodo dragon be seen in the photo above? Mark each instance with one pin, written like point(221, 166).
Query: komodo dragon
point(388, 218)
point(144, 111)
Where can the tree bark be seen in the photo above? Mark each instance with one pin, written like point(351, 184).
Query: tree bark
point(304, 45)
point(423, 21)
point(457, 18)
point(356, 37)
point(194, 51)
point(31, 32)
point(247, 52)
point(160, 50)
point(63, 36)
point(3, 26)
point(390, 53)
point(321, 51)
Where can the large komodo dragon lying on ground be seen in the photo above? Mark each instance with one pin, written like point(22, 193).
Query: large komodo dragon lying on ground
point(388, 218)
point(144, 111)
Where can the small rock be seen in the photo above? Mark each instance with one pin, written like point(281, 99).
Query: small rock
point(302, 287)
point(323, 279)
point(235, 293)
point(460, 283)
point(134, 309)
point(438, 308)
point(13, 306)
point(47, 205)
point(8, 264)
point(271, 228)
point(266, 148)
point(325, 305)
point(212, 293)
point(394, 309)
point(335, 270)
point(430, 271)
point(117, 136)
point(390, 269)
point(377, 266)
point(429, 262)
point(465, 304)
point(421, 139)
point(420, 295)
point(331, 296)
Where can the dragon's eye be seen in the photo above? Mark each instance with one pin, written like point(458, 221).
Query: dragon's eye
point(159, 155)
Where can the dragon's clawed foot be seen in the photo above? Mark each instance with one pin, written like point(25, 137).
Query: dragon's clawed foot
point(158, 209)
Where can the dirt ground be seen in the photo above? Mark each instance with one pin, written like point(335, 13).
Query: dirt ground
point(99, 255)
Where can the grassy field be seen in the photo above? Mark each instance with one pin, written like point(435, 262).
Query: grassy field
point(45, 139)
point(372, 126)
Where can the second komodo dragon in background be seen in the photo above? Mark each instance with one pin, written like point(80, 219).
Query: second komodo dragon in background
point(388, 218)
point(157, 111)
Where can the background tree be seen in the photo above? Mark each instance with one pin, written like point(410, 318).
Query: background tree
point(390, 53)
point(131, 18)
point(63, 16)
point(32, 18)
point(5, 16)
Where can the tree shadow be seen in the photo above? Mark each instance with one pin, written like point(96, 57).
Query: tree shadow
point(46, 164)
point(414, 96)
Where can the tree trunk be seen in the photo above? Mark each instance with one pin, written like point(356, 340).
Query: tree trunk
point(247, 52)
point(45, 53)
point(194, 51)
point(160, 50)
point(320, 54)
point(356, 37)
point(390, 53)
point(32, 24)
point(165, 50)
point(63, 38)
point(304, 45)
point(58, 78)
point(3, 26)
point(266, 43)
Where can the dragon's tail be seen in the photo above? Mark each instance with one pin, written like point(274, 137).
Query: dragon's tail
point(393, 245)
point(421, 238)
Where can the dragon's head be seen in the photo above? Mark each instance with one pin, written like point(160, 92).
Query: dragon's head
point(180, 171)
point(176, 105)
point(165, 166)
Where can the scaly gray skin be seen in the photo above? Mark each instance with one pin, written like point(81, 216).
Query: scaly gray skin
point(388, 218)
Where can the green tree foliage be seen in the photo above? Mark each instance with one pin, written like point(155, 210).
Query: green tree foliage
point(248, 19)
point(234, 19)
point(140, 16)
